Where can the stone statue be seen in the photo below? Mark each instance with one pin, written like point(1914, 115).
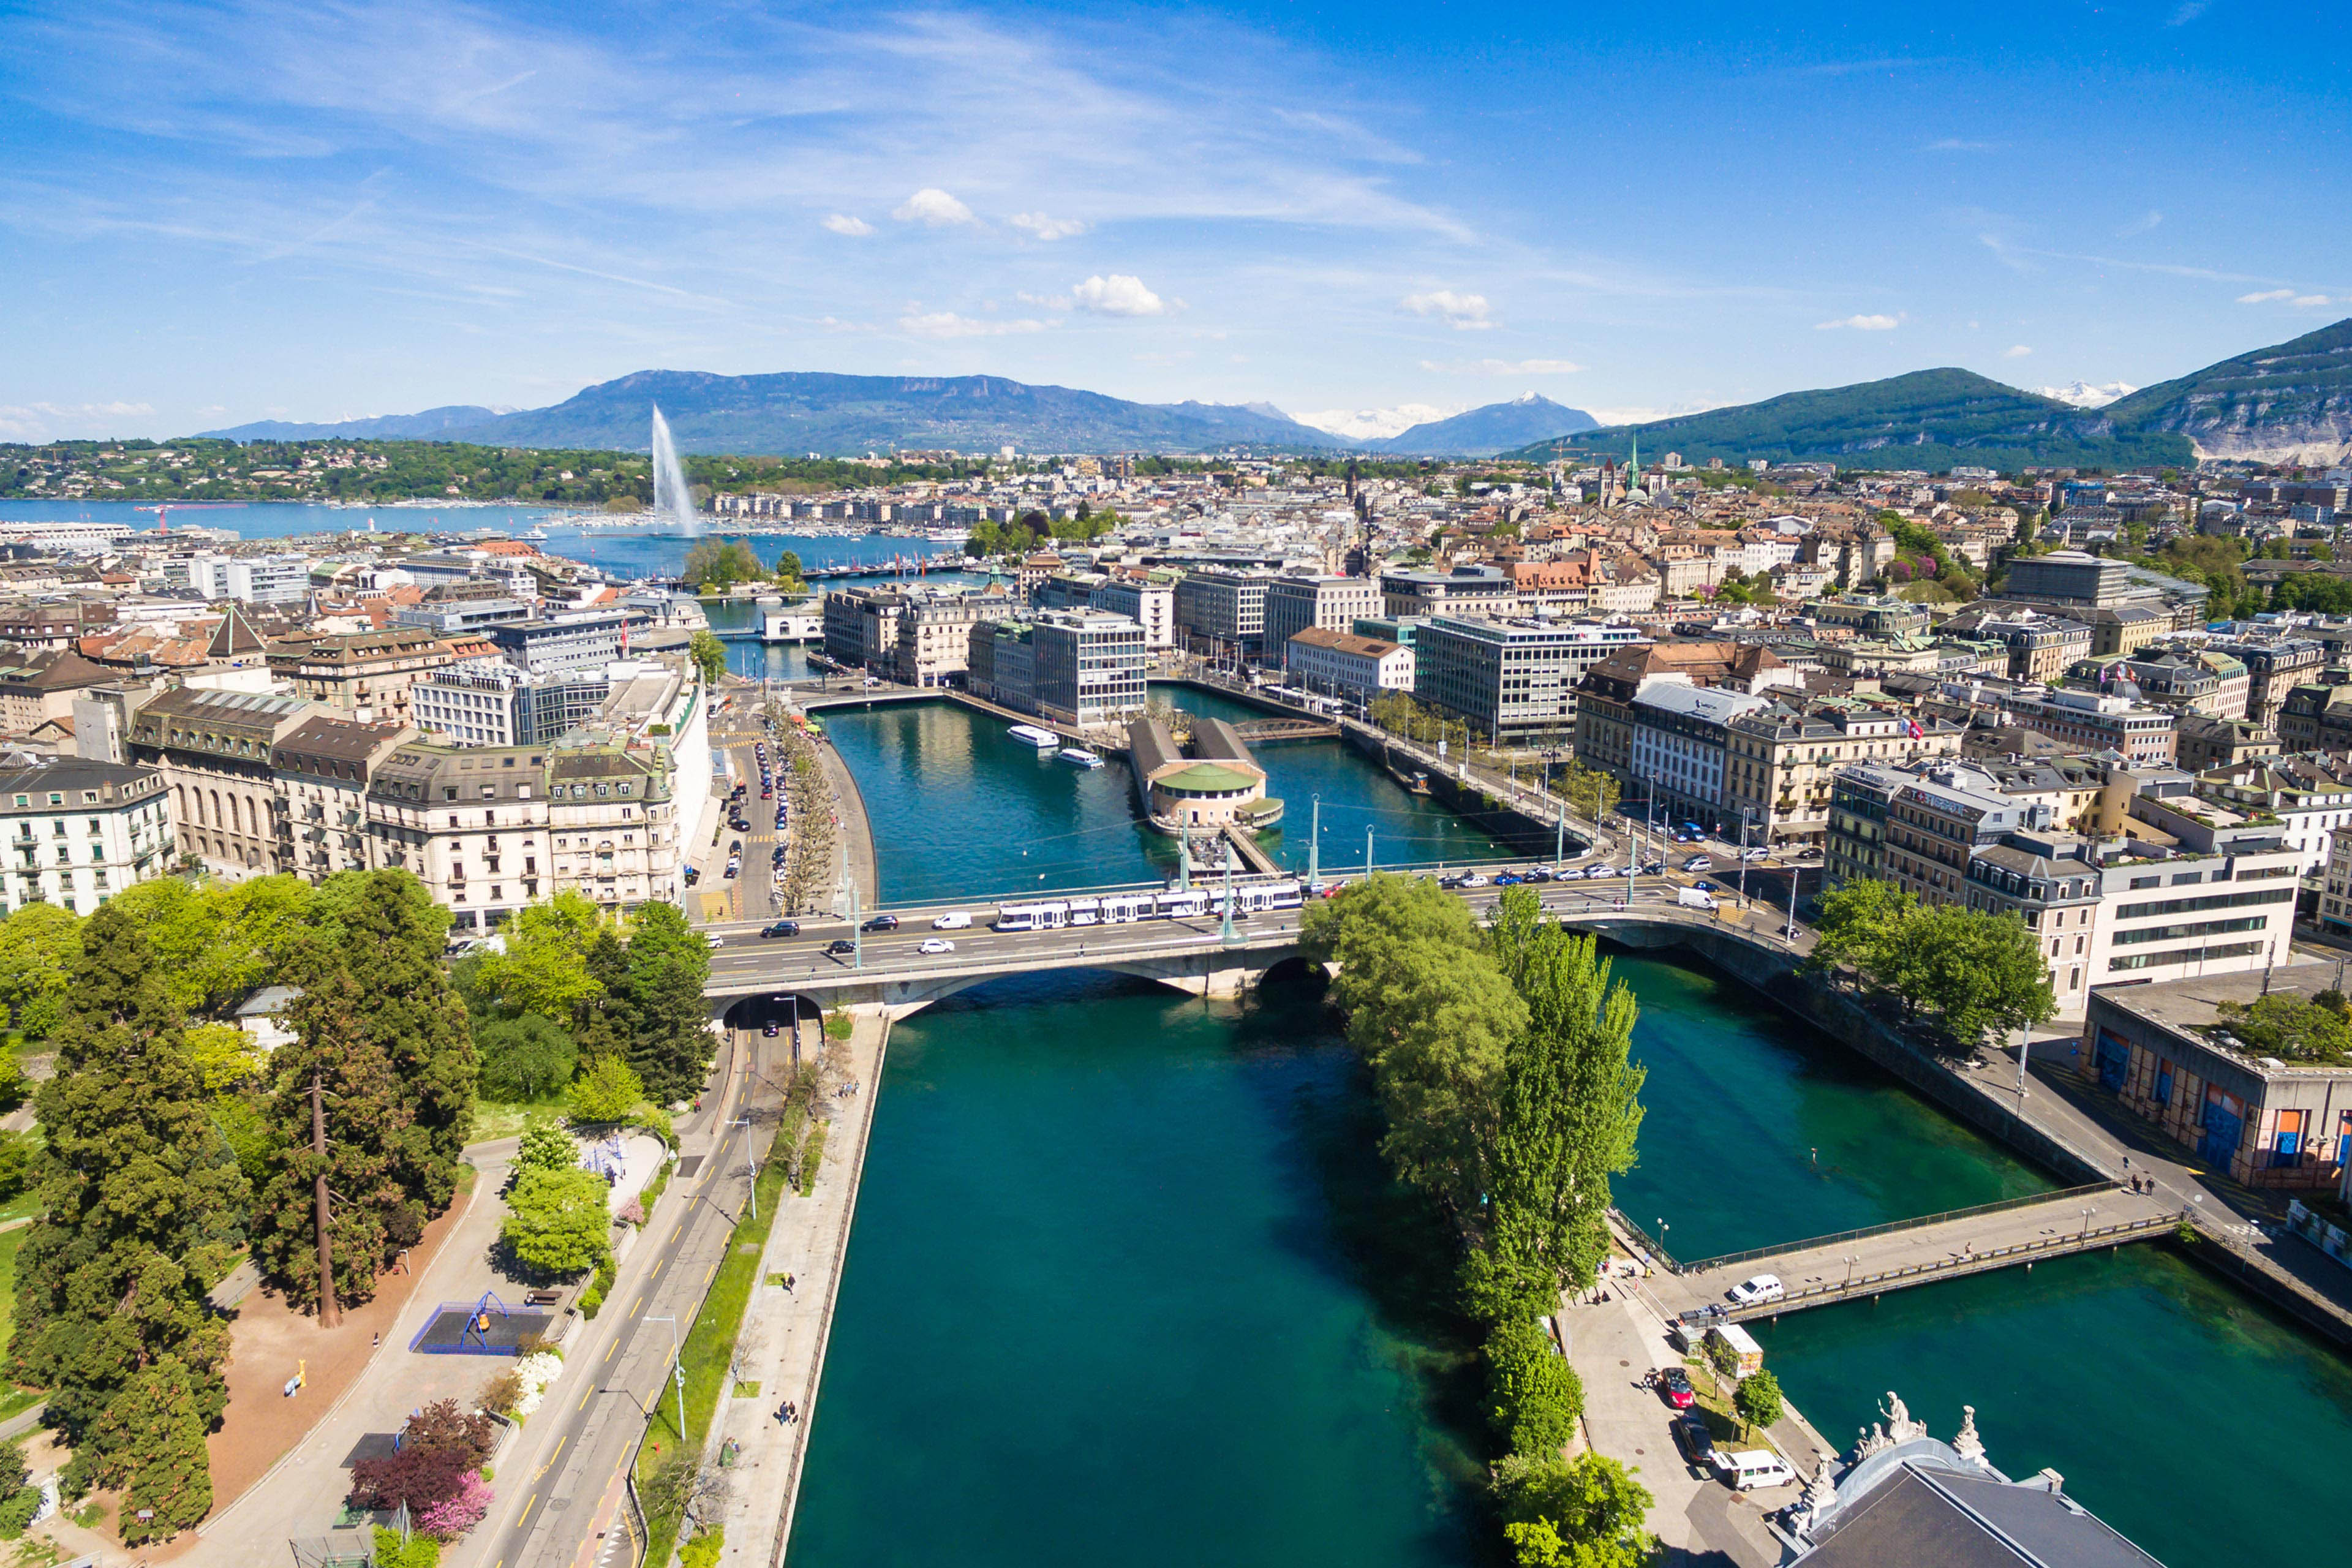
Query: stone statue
point(1967, 1445)
point(1873, 1440)
point(1820, 1496)
point(1900, 1427)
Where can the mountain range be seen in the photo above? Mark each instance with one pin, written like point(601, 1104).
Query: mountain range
point(810, 412)
point(2289, 402)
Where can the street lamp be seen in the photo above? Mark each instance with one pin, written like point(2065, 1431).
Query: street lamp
point(1850, 1262)
point(2088, 1210)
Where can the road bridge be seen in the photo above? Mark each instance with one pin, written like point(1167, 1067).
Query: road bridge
point(889, 970)
point(1852, 1264)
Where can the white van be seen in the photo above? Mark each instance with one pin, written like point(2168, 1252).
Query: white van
point(1694, 897)
point(1752, 1467)
point(954, 920)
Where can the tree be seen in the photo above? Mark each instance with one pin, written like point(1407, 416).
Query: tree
point(606, 1090)
point(1588, 1513)
point(39, 945)
point(544, 1146)
point(788, 573)
point(717, 564)
point(669, 963)
point(556, 1222)
point(1758, 1399)
point(1534, 1397)
point(524, 1059)
point(544, 967)
point(2288, 1026)
point(1981, 970)
point(1856, 922)
point(1570, 1105)
point(20, 1163)
point(709, 654)
point(142, 1211)
point(1430, 1012)
point(227, 1057)
point(393, 936)
point(367, 1118)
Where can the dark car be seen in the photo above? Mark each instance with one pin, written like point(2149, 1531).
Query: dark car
point(1507, 879)
point(1698, 1443)
point(692, 876)
point(769, 1030)
point(1540, 874)
point(839, 945)
point(781, 928)
point(883, 922)
point(1675, 1385)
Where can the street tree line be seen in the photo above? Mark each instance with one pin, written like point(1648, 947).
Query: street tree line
point(1501, 1060)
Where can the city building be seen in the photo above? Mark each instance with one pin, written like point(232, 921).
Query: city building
point(1681, 739)
point(78, 832)
point(1219, 787)
point(2171, 1054)
point(1604, 699)
point(367, 675)
point(1781, 760)
point(934, 636)
point(1150, 601)
point(2274, 667)
point(1293, 603)
point(1079, 666)
point(40, 689)
point(1464, 591)
point(2099, 721)
point(322, 766)
point(2072, 577)
point(214, 750)
point(1221, 614)
point(570, 640)
point(488, 702)
point(2042, 647)
point(861, 627)
point(1341, 664)
point(1512, 680)
point(251, 579)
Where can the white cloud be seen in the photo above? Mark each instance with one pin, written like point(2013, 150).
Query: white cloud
point(2015, 351)
point(948, 324)
point(1377, 423)
point(2265, 296)
point(1639, 414)
point(2141, 225)
point(933, 208)
point(2310, 299)
point(1038, 226)
point(38, 422)
point(2187, 14)
point(1120, 294)
point(842, 223)
point(1463, 312)
point(1860, 324)
point(1502, 366)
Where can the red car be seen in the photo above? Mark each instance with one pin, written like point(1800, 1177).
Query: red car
point(1676, 1383)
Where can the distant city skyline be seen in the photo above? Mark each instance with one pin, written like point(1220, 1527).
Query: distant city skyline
point(1365, 216)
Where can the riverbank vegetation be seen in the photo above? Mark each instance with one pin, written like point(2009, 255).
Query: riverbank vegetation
point(1970, 972)
point(1501, 1060)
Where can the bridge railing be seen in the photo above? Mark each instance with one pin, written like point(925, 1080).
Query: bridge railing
point(1976, 1211)
point(1962, 1264)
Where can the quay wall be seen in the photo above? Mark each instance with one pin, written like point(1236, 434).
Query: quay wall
point(1498, 819)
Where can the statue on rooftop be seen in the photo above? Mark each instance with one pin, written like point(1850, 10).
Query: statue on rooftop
point(1967, 1445)
point(1900, 1427)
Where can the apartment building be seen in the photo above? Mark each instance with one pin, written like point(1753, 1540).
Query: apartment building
point(1512, 680)
point(1293, 603)
point(861, 627)
point(1781, 760)
point(1604, 698)
point(40, 689)
point(251, 579)
point(322, 766)
point(1079, 666)
point(367, 675)
point(1680, 745)
point(2274, 668)
point(1341, 664)
point(573, 639)
point(1221, 615)
point(2042, 647)
point(214, 750)
point(76, 832)
point(934, 638)
point(2094, 721)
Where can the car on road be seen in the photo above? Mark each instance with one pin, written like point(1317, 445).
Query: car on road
point(734, 870)
point(1451, 879)
point(1754, 855)
point(1507, 879)
point(954, 920)
point(1653, 867)
point(714, 939)
point(1757, 1291)
point(1698, 863)
point(781, 928)
point(1751, 1468)
point(1540, 874)
point(1603, 869)
point(1475, 880)
point(883, 922)
point(770, 1029)
point(839, 946)
point(1675, 1385)
point(936, 944)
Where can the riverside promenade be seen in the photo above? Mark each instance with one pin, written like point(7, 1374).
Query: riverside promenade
point(784, 1331)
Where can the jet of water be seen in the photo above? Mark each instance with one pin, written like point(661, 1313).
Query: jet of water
point(672, 499)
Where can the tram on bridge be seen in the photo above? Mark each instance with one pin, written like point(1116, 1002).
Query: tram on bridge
point(1123, 909)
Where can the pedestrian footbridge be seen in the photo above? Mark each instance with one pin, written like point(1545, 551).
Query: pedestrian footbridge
point(1855, 1264)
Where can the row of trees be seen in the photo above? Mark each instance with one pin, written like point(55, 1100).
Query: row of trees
point(1032, 530)
point(171, 1145)
point(1501, 1057)
point(1972, 972)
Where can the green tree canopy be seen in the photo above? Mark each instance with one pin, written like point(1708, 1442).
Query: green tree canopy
point(1758, 1399)
point(669, 963)
point(709, 654)
point(556, 1222)
point(606, 1091)
point(524, 1059)
point(721, 563)
point(40, 945)
point(1588, 1513)
point(544, 1146)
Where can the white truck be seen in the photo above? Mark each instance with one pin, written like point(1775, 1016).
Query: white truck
point(1694, 899)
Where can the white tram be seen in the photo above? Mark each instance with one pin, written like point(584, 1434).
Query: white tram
point(1124, 909)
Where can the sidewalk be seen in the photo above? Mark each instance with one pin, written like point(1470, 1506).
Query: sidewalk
point(784, 1332)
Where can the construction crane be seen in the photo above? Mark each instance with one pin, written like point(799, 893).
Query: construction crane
point(163, 513)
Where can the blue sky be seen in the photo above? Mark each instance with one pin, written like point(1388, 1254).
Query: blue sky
point(210, 214)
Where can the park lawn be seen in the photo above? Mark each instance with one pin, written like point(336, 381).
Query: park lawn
point(709, 1348)
point(505, 1117)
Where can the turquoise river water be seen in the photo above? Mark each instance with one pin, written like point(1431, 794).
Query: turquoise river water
point(1128, 1283)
